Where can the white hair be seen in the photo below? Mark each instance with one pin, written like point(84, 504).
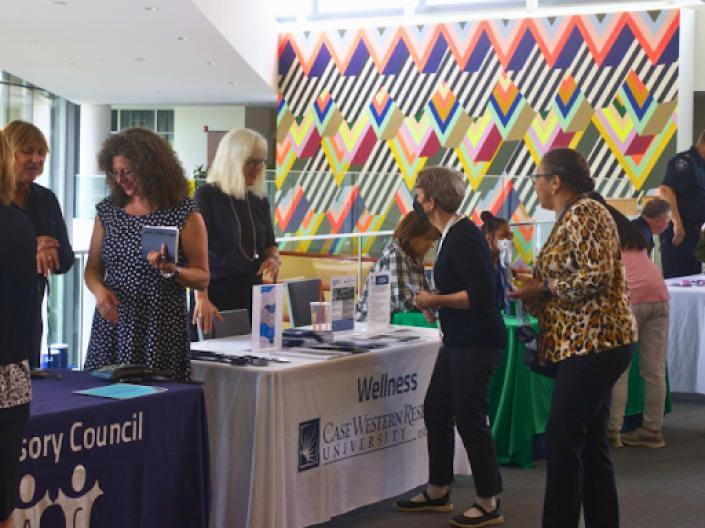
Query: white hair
point(227, 170)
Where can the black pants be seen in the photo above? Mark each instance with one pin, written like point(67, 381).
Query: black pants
point(228, 293)
point(13, 423)
point(458, 394)
point(680, 261)
point(578, 458)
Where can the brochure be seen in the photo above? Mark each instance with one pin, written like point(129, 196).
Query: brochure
point(342, 293)
point(154, 236)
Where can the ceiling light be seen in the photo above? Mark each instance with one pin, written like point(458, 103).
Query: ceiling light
point(140, 59)
point(210, 63)
point(60, 3)
point(233, 83)
point(150, 8)
point(182, 38)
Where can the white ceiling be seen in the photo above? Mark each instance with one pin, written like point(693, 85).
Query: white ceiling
point(118, 52)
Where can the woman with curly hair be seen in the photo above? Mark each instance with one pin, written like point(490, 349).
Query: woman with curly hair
point(140, 312)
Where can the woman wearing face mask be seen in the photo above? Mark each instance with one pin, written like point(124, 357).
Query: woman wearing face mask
point(499, 236)
point(474, 338)
point(29, 149)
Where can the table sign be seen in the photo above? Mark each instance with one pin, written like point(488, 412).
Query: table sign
point(267, 302)
point(342, 293)
point(379, 294)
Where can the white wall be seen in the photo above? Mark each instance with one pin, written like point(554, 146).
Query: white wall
point(699, 49)
point(190, 139)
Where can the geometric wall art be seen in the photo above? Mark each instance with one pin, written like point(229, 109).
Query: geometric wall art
point(361, 111)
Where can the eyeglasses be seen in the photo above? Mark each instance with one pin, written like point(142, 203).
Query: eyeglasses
point(124, 174)
point(538, 175)
point(254, 163)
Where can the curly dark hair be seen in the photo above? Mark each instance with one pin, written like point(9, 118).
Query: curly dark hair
point(159, 175)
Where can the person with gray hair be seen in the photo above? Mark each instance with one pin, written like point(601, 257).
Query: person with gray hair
point(474, 339)
point(654, 219)
point(241, 245)
point(683, 188)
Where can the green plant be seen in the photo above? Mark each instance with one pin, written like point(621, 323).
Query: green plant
point(200, 172)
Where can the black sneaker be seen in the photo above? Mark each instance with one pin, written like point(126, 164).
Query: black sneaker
point(442, 505)
point(493, 518)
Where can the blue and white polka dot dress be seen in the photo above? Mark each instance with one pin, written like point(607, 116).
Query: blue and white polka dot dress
point(152, 326)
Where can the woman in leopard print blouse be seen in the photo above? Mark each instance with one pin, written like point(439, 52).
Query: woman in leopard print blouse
point(579, 295)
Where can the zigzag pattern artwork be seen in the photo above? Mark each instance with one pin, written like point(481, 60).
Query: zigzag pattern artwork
point(360, 112)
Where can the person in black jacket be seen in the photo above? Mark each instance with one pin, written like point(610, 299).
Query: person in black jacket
point(241, 245)
point(54, 255)
point(18, 299)
point(474, 338)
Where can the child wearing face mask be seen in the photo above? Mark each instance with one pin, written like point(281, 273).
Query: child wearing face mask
point(499, 237)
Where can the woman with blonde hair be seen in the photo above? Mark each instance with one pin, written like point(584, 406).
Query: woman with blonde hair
point(18, 301)
point(28, 151)
point(241, 245)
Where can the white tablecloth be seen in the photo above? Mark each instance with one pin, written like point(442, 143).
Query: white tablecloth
point(294, 445)
point(686, 339)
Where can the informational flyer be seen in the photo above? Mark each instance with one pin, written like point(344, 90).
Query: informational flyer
point(267, 302)
point(342, 294)
point(379, 294)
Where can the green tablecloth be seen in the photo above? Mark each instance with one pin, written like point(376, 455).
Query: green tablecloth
point(520, 400)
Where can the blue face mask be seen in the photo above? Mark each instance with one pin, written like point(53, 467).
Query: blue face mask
point(418, 209)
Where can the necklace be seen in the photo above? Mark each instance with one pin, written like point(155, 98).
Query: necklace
point(255, 255)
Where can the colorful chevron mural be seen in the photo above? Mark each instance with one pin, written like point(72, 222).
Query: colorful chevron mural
point(362, 111)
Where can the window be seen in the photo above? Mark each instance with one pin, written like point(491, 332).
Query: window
point(160, 121)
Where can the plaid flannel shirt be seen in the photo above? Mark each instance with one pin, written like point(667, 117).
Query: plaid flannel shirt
point(407, 276)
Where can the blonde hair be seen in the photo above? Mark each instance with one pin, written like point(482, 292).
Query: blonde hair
point(21, 134)
point(7, 173)
point(227, 170)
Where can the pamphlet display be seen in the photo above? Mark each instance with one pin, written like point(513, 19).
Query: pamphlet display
point(342, 293)
point(267, 301)
point(379, 293)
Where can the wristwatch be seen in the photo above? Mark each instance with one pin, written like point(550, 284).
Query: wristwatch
point(170, 274)
point(546, 290)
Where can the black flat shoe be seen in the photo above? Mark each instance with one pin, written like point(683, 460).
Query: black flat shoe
point(442, 505)
point(493, 518)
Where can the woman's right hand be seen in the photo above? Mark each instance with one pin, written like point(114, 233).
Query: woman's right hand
point(106, 302)
point(203, 313)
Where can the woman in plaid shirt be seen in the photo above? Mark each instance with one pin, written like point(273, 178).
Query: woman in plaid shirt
point(403, 259)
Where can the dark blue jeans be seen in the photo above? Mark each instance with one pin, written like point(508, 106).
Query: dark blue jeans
point(458, 395)
point(578, 460)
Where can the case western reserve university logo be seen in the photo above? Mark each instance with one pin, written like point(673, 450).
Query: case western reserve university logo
point(309, 444)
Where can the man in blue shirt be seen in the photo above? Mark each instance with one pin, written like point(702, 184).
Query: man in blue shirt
point(654, 220)
point(684, 189)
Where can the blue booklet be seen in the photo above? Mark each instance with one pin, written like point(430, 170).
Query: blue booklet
point(121, 391)
point(154, 236)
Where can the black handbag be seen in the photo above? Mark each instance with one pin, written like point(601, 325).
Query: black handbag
point(527, 336)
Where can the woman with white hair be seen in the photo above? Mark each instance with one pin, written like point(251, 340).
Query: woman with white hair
point(241, 245)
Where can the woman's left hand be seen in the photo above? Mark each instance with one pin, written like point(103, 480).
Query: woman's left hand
point(531, 290)
point(270, 266)
point(47, 255)
point(158, 260)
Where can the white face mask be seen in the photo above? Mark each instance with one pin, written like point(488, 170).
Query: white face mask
point(506, 250)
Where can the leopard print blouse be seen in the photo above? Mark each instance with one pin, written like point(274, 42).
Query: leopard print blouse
point(590, 311)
